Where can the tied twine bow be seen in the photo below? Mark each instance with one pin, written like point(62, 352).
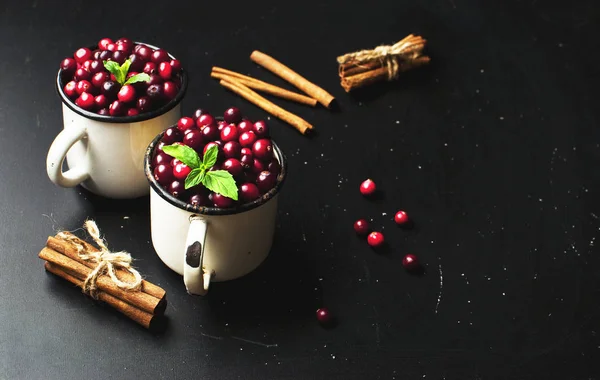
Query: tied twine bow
point(108, 262)
point(408, 50)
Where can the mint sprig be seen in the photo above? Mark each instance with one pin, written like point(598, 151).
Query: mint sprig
point(120, 73)
point(219, 181)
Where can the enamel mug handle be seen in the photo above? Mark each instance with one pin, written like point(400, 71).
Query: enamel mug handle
point(195, 276)
point(56, 155)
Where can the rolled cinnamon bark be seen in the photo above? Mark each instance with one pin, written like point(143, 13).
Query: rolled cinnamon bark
point(67, 249)
point(293, 77)
point(131, 312)
point(259, 85)
point(141, 300)
point(295, 121)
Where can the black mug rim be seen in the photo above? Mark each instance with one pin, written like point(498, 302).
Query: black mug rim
point(124, 119)
point(206, 210)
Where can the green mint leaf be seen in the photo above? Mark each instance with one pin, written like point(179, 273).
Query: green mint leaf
point(114, 68)
point(210, 157)
point(125, 70)
point(141, 77)
point(184, 154)
point(222, 182)
point(195, 178)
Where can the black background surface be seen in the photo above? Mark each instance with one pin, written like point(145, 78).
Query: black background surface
point(493, 150)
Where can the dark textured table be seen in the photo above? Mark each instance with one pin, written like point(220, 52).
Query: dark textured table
point(493, 150)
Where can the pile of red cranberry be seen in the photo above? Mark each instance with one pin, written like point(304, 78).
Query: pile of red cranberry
point(245, 150)
point(91, 86)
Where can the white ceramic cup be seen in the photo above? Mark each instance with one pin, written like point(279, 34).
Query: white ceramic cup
point(105, 154)
point(205, 244)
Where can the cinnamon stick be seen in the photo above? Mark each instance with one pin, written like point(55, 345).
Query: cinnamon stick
point(131, 312)
point(248, 94)
point(67, 249)
point(253, 83)
point(294, 78)
point(141, 300)
point(375, 75)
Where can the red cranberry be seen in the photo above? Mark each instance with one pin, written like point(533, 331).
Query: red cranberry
point(233, 166)
point(205, 119)
point(85, 101)
point(117, 108)
point(367, 187)
point(171, 135)
point(119, 57)
point(96, 54)
point(143, 104)
point(155, 93)
point(261, 129)
point(111, 47)
point(82, 55)
point(199, 112)
point(161, 158)
point(323, 316)
point(83, 86)
point(170, 89)
point(265, 181)
point(103, 111)
point(274, 167)
point(194, 139)
point(96, 66)
point(221, 201)
point(82, 74)
point(361, 227)
point(247, 139)
point(149, 68)
point(174, 162)
point(68, 66)
point(132, 112)
point(401, 218)
point(185, 123)
point(71, 89)
point(126, 94)
point(103, 43)
point(137, 64)
point(181, 170)
point(247, 161)
point(245, 126)
point(229, 133)
point(198, 200)
point(100, 101)
point(410, 262)
point(110, 89)
point(263, 149)
point(258, 166)
point(163, 174)
point(176, 188)
point(159, 55)
point(249, 192)
point(105, 55)
point(155, 79)
point(231, 149)
point(164, 70)
point(210, 132)
point(144, 52)
point(375, 239)
point(99, 78)
point(124, 44)
point(221, 124)
point(175, 65)
point(247, 152)
point(233, 115)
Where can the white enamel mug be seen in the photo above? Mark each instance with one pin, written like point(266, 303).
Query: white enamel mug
point(205, 244)
point(105, 154)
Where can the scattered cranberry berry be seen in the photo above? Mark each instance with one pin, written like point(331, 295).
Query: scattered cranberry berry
point(323, 316)
point(375, 239)
point(361, 227)
point(401, 218)
point(367, 187)
point(410, 262)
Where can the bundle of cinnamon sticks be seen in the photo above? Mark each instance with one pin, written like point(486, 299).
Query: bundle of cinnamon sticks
point(63, 259)
point(244, 86)
point(385, 62)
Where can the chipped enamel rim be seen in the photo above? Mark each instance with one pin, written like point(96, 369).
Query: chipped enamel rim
point(124, 119)
point(204, 210)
